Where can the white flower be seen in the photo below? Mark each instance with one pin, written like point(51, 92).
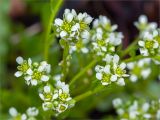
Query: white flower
point(47, 94)
point(13, 112)
point(105, 41)
point(143, 24)
point(47, 106)
point(73, 27)
point(139, 69)
point(24, 66)
point(17, 116)
point(32, 111)
point(117, 102)
point(112, 71)
point(61, 107)
point(145, 107)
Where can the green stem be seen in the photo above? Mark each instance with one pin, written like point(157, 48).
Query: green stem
point(65, 60)
point(49, 26)
point(83, 71)
point(130, 47)
point(89, 93)
point(135, 58)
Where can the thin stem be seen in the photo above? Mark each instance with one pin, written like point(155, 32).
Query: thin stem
point(54, 11)
point(135, 58)
point(89, 93)
point(65, 60)
point(83, 71)
point(129, 48)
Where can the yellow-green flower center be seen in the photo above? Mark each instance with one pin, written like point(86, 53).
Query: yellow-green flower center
point(23, 67)
point(149, 44)
point(48, 96)
point(67, 26)
point(83, 26)
point(106, 78)
point(62, 107)
point(63, 96)
point(101, 42)
point(37, 75)
point(119, 71)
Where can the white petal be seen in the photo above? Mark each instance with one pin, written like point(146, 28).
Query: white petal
point(114, 27)
point(19, 60)
point(44, 78)
point(69, 17)
point(55, 96)
point(80, 16)
point(141, 43)
point(108, 58)
point(143, 19)
point(27, 78)
point(13, 112)
point(99, 76)
point(85, 35)
point(145, 73)
point(34, 82)
point(18, 74)
point(155, 45)
point(144, 52)
point(130, 65)
point(121, 82)
point(115, 59)
point(47, 89)
point(113, 78)
point(58, 22)
point(41, 96)
point(104, 83)
point(84, 50)
point(107, 69)
point(123, 65)
point(133, 78)
point(99, 68)
point(75, 27)
point(23, 117)
point(88, 20)
point(104, 49)
point(29, 61)
point(65, 88)
point(29, 71)
point(63, 34)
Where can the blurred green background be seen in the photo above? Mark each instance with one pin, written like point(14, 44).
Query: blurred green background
point(22, 26)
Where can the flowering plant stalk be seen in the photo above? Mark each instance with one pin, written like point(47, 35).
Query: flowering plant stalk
point(106, 65)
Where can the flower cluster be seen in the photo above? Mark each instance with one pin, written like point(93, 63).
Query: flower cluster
point(33, 73)
point(113, 71)
point(104, 37)
point(149, 37)
point(137, 109)
point(30, 114)
point(143, 24)
point(140, 69)
point(58, 98)
point(74, 26)
point(149, 45)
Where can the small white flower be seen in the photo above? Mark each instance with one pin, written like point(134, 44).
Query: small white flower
point(145, 107)
point(32, 111)
point(13, 112)
point(121, 82)
point(117, 102)
point(62, 107)
point(47, 106)
point(133, 78)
